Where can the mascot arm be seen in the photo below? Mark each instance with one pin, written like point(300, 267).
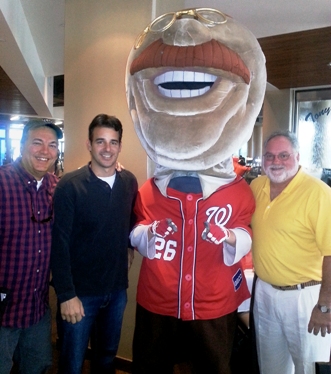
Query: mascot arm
point(140, 239)
point(234, 253)
point(143, 236)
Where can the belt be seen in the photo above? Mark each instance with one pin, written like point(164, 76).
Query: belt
point(297, 286)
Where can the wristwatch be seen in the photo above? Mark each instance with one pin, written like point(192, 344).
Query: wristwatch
point(323, 308)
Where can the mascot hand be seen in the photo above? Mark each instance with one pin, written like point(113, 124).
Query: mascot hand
point(163, 228)
point(215, 234)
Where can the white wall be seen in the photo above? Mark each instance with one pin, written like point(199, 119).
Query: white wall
point(277, 111)
point(98, 38)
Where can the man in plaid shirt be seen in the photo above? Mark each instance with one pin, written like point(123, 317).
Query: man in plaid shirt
point(26, 216)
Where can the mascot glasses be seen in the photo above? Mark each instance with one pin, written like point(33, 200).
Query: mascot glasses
point(208, 16)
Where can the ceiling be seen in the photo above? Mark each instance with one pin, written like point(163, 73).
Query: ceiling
point(270, 21)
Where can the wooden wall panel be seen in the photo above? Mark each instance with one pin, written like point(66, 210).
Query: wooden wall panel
point(11, 99)
point(300, 59)
point(294, 60)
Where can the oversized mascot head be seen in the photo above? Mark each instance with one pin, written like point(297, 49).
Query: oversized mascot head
point(195, 84)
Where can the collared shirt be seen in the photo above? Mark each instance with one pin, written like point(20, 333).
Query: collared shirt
point(25, 244)
point(291, 233)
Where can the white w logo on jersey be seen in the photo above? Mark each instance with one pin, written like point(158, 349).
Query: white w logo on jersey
point(220, 216)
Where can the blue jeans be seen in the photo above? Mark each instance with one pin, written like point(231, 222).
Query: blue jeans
point(102, 324)
point(30, 348)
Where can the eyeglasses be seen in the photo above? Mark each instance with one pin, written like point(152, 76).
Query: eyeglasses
point(283, 156)
point(45, 220)
point(208, 16)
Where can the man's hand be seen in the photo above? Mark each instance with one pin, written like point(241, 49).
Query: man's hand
point(119, 167)
point(319, 322)
point(72, 310)
point(215, 234)
point(163, 228)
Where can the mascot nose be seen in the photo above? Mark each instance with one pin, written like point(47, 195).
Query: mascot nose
point(186, 32)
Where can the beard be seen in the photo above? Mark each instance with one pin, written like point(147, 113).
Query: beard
point(280, 173)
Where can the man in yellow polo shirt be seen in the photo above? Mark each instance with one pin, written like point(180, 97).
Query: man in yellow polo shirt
point(292, 259)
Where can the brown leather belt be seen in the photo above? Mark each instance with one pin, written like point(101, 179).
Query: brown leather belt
point(297, 286)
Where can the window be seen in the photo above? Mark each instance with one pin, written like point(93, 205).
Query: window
point(313, 128)
point(2, 145)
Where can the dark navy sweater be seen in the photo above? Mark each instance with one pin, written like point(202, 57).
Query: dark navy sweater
point(90, 234)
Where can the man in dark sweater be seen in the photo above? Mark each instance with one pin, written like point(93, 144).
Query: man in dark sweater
point(89, 260)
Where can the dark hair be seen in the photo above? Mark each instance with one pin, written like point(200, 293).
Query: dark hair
point(290, 136)
point(104, 120)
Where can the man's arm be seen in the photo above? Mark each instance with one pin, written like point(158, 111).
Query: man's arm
point(143, 236)
point(321, 322)
point(60, 253)
point(71, 307)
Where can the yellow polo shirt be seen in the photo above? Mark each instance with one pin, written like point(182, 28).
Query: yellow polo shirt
point(292, 233)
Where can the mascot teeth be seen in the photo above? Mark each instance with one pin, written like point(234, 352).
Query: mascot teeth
point(184, 83)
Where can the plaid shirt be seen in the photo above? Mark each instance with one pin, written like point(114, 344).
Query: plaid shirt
point(25, 243)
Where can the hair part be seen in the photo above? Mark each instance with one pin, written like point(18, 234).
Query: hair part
point(290, 136)
point(104, 120)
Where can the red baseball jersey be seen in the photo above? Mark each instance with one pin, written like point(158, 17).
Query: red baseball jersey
point(187, 278)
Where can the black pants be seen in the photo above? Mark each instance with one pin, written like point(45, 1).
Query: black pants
point(160, 342)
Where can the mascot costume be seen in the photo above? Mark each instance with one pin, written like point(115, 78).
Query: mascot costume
point(195, 84)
